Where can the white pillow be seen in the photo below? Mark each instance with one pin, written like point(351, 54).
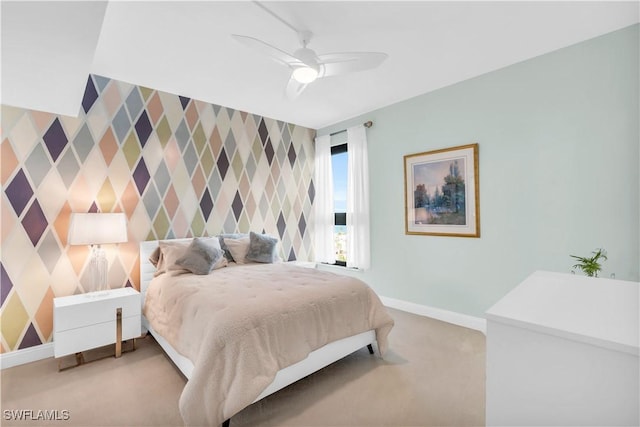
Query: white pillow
point(238, 249)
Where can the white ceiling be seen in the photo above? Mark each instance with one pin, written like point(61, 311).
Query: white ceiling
point(47, 51)
point(185, 47)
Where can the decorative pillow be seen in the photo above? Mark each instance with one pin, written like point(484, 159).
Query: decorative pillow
point(221, 237)
point(238, 249)
point(201, 255)
point(262, 248)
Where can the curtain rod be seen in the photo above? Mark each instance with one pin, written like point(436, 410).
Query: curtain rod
point(365, 124)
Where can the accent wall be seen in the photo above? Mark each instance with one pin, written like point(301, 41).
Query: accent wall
point(559, 157)
point(177, 167)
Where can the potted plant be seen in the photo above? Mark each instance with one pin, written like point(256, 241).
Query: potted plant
point(591, 265)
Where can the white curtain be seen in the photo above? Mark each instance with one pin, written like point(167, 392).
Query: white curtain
point(323, 203)
point(358, 255)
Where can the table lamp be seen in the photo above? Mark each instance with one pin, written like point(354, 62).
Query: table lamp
point(96, 229)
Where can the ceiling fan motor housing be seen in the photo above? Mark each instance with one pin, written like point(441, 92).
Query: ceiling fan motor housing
point(307, 56)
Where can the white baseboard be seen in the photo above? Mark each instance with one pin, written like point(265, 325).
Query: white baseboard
point(459, 319)
point(26, 355)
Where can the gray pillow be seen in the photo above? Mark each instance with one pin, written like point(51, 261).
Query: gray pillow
point(201, 255)
point(262, 248)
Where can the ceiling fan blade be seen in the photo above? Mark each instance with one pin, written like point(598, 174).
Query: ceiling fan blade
point(332, 64)
point(294, 88)
point(271, 51)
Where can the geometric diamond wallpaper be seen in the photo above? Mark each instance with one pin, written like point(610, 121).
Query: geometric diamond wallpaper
point(177, 167)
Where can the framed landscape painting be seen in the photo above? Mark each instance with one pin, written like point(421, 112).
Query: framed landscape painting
point(441, 192)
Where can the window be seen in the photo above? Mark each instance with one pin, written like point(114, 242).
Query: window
point(350, 214)
point(339, 170)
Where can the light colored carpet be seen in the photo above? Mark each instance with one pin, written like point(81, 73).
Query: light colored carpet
point(433, 375)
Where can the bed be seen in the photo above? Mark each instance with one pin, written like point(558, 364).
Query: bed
point(244, 331)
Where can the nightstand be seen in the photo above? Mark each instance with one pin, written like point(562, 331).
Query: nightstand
point(86, 321)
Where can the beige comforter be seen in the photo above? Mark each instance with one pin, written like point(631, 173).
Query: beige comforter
point(240, 325)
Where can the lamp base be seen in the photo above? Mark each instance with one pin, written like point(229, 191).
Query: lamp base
point(99, 268)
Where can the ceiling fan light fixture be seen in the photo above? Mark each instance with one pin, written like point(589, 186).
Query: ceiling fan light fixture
point(305, 74)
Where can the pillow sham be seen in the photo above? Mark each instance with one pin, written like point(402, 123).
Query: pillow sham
point(262, 248)
point(238, 249)
point(156, 256)
point(201, 256)
point(222, 262)
point(170, 252)
point(221, 237)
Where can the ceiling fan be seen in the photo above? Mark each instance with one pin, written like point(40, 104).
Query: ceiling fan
point(305, 65)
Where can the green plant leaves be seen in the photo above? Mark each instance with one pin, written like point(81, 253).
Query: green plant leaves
point(591, 265)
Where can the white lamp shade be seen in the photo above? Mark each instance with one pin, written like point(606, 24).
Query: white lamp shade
point(97, 228)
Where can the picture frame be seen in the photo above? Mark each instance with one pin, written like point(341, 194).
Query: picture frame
point(441, 190)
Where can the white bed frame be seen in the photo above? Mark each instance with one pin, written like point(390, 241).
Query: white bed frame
point(316, 360)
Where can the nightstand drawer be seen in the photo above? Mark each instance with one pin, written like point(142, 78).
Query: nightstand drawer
point(98, 335)
point(89, 309)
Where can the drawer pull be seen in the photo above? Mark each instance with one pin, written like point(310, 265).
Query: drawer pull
point(119, 332)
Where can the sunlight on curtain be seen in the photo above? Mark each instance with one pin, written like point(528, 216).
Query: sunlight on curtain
point(323, 203)
point(358, 199)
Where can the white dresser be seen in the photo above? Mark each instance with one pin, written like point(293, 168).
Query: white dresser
point(563, 350)
point(85, 321)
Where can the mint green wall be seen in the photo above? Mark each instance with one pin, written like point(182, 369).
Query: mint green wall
point(559, 156)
